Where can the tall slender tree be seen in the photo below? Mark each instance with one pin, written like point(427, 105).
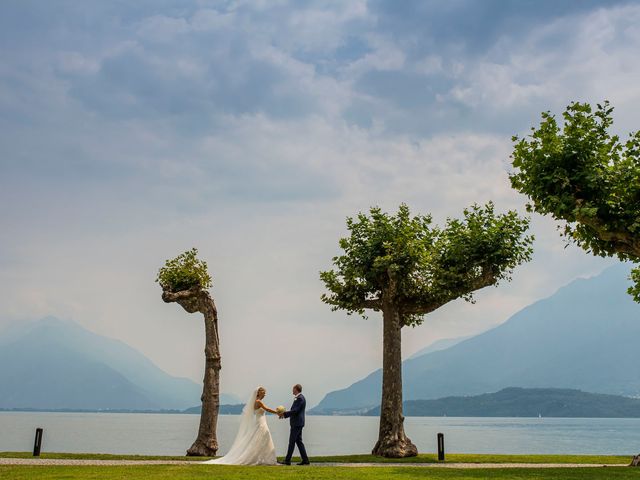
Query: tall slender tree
point(405, 267)
point(185, 280)
point(586, 177)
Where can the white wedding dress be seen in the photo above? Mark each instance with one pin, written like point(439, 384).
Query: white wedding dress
point(253, 444)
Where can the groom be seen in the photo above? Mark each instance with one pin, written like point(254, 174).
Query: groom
point(296, 420)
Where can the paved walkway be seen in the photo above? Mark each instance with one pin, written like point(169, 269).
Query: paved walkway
point(471, 465)
point(71, 461)
point(74, 462)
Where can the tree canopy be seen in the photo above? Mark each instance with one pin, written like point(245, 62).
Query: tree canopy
point(588, 178)
point(185, 280)
point(406, 267)
point(184, 272)
point(421, 265)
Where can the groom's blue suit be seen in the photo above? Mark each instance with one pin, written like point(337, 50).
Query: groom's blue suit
point(296, 420)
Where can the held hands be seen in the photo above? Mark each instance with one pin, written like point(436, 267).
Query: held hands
point(280, 412)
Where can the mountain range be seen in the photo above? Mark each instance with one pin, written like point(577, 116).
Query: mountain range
point(585, 337)
point(438, 345)
point(57, 364)
point(525, 402)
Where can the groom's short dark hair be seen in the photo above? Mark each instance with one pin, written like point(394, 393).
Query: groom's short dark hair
point(298, 387)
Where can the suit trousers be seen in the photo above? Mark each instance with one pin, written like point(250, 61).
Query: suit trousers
point(295, 438)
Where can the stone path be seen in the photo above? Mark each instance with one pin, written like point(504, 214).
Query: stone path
point(79, 462)
point(70, 461)
point(472, 465)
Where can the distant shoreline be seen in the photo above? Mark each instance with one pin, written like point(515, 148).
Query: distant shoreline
point(513, 402)
point(224, 410)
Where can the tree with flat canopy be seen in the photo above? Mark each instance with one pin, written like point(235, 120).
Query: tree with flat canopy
point(185, 280)
point(406, 267)
point(587, 178)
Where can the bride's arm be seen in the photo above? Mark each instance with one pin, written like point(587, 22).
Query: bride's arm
point(267, 409)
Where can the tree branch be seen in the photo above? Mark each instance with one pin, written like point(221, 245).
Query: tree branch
point(423, 308)
point(373, 304)
point(623, 242)
point(182, 295)
point(486, 279)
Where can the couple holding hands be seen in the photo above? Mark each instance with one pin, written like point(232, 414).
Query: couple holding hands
point(253, 444)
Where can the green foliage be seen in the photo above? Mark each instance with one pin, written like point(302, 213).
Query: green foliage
point(420, 266)
point(586, 177)
point(184, 272)
point(634, 290)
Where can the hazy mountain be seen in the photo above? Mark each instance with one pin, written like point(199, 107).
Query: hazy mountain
point(525, 402)
point(584, 337)
point(438, 345)
point(54, 363)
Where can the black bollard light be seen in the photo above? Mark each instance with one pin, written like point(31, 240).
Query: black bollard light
point(441, 447)
point(37, 444)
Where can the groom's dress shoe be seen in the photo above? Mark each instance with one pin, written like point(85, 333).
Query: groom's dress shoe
point(304, 463)
point(284, 463)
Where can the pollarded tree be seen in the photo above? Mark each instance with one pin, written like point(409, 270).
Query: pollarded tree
point(587, 178)
point(185, 280)
point(405, 267)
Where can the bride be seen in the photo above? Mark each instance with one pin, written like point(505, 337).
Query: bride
point(253, 444)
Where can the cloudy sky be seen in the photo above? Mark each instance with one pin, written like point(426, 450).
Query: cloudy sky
point(132, 131)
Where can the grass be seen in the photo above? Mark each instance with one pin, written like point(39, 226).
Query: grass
point(197, 472)
point(423, 458)
point(481, 458)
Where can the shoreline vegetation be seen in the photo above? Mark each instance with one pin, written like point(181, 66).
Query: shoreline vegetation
point(511, 402)
point(525, 403)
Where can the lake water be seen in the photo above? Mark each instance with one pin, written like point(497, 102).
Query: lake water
point(172, 434)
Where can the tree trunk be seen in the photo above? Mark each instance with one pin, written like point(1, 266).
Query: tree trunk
point(392, 441)
point(206, 444)
point(196, 300)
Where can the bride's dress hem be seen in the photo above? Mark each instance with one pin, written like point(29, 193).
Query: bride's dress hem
point(252, 446)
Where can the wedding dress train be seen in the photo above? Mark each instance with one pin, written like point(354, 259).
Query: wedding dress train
point(253, 444)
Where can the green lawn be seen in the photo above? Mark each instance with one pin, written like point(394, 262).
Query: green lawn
point(423, 458)
point(196, 472)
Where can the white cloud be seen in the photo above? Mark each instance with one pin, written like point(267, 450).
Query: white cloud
point(587, 56)
point(74, 62)
point(385, 57)
point(429, 65)
point(162, 29)
point(264, 258)
point(208, 19)
point(228, 131)
point(324, 28)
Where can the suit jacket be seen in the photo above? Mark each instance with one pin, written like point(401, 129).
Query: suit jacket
point(296, 414)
